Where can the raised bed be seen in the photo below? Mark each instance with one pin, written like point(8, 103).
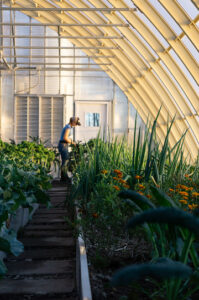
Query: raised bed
point(82, 272)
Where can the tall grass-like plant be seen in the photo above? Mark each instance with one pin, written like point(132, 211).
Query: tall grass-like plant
point(179, 281)
point(172, 233)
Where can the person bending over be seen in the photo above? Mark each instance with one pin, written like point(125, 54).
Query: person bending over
point(64, 142)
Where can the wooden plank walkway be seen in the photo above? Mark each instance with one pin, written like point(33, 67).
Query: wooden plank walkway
point(46, 269)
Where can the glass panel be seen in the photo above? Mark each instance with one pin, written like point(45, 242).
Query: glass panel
point(166, 16)
point(153, 29)
point(52, 82)
point(7, 107)
point(145, 42)
point(189, 8)
point(37, 82)
point(120, 112)
point(92, 119)
point(93, 88)
point(185, 70)
point(188, 44)
point(178, 86)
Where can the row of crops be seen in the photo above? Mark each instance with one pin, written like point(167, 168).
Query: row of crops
point(24, 181)
point(147, 191)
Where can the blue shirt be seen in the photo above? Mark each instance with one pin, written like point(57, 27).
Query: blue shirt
point(63, 131)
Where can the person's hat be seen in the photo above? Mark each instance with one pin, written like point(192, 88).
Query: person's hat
point(76, 120)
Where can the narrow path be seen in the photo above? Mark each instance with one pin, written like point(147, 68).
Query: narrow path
point(46, 269)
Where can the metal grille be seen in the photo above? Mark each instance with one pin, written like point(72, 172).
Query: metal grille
point(41, 117)
point(21, 119)
point(33, 120)
point(57, 118)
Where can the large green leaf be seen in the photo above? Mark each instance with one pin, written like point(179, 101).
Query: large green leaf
point(16, 247)
point(162, 215)
point(3, 268)
point(164, 269)
point(4, 245)
point(162, 198)
point(140, 200)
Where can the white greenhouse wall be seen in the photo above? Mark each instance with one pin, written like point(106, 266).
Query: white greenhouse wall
point(71, 85)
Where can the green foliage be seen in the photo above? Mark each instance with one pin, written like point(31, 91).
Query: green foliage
point(164, 269)
point(113, 181)
point(24, 180)
point(172, 216)
point(140, 200)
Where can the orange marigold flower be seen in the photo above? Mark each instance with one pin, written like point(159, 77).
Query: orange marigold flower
point(183, 193)
point(115, 178)
point(141, 186)
point(117, 171)
point(104, 171)
point(183, 201)
point(187, 175)
point(184, 187)
point(148, 196)
point(190, 188)
point(139, 192)
point(116, 187)
point(171, 190)
point(138, 177)
point(190, 206)
point(194, 206)
point(185, 198)
point(126, 186)
point(122, 180)
point(120, 175)
point(178, 186)
point(195, 194)
point(95, 215)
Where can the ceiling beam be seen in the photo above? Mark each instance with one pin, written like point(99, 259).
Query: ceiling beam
point(64, 9)
point(60, 37)
point(65, 25)
point(54, 63)
point(57, 56)
point(74, 48)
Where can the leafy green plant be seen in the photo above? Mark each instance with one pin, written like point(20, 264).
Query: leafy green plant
point(165, 218)
point(24, 180)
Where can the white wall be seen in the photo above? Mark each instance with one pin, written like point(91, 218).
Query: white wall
point(74, 85)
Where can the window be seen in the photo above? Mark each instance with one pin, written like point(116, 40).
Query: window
point(92, 119)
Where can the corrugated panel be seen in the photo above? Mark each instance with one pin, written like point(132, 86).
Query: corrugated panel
point(33, 120)
point(52, 82)
point(37, 82)
point(45, 120)
point(21, 119)
point(22, 81)
point(57, 119)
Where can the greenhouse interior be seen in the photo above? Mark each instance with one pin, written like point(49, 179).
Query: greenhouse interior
point(99, 149)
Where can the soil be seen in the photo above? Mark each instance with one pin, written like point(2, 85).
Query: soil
point(104, 264)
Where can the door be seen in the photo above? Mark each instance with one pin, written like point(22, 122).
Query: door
point(93, 117)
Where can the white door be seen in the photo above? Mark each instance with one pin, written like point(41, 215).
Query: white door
point(93, 117)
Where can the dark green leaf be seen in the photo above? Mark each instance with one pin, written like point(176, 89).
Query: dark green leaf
point(162, 198)
point(3, 268)
point(164, 269)
point(136, 197)
point(164, 215)
point(4, 245)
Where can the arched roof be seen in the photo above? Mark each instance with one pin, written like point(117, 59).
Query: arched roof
point(148, 47)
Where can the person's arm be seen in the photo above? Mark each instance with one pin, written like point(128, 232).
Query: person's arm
point(66, 138)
